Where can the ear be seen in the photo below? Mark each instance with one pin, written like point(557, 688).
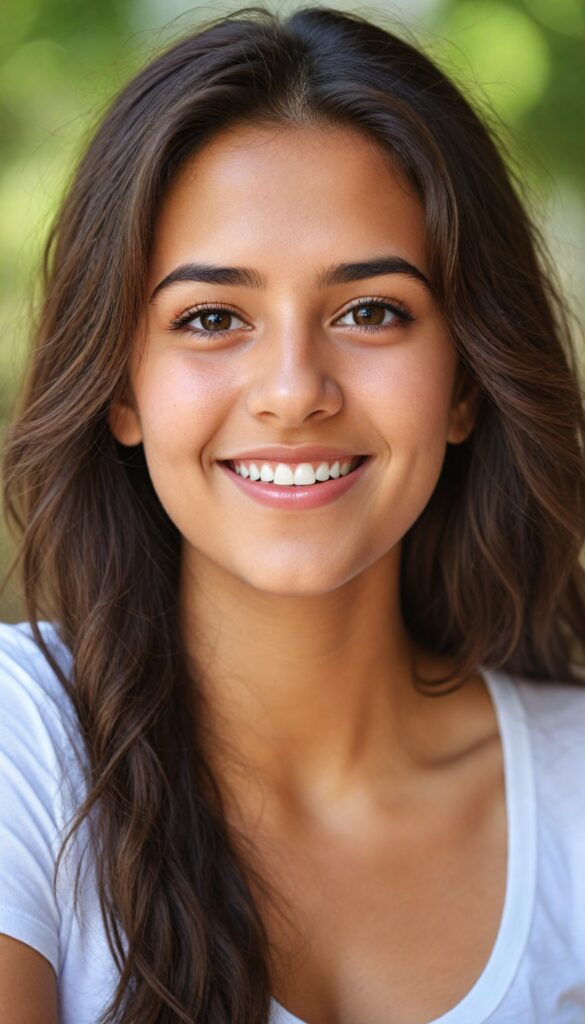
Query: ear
point(465, 407)
point(124, 422)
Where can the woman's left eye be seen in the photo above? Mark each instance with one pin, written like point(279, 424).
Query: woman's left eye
point(377, 315)
point(399, 315)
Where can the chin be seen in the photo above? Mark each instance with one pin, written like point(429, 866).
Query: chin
point(294, 581)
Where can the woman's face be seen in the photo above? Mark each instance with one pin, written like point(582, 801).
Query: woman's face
point(289, 362)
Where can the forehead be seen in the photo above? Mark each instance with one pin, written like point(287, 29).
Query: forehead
point(294, 195)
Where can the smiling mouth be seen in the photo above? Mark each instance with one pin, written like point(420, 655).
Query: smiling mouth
point(356, 463)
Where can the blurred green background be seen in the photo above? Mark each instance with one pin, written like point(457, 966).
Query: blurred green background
point(523, 63)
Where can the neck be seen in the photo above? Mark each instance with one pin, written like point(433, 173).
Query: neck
point(311, 695)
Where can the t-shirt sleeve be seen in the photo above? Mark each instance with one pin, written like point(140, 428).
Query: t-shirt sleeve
point(30, 801)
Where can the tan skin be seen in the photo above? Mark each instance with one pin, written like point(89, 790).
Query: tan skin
point(28, 985)
point(379, 812)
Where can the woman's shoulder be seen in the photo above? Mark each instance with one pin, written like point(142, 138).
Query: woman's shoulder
point(40, 786)
point(554, 713)
point(24, 669)
point(554, 709)
point(38, 723)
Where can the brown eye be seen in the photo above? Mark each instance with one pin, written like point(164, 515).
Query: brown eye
point(364, 314)
point(376, 315)
point(216, 321)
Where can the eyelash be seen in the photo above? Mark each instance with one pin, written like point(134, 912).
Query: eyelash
point(181, 322)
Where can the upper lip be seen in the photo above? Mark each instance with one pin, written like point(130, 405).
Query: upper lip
point(295, 453)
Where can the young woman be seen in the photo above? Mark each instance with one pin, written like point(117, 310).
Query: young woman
point(294, 729)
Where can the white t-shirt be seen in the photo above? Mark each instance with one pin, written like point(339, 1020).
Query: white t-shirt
point(536, 971)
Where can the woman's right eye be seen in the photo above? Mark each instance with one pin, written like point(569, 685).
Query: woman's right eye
point(215, 315)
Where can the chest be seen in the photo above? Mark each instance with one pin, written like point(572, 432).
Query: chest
point(393, 921)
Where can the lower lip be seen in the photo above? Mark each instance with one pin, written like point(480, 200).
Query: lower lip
point(293, 497)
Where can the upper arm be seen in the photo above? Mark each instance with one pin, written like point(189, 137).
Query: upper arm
point(28, 985)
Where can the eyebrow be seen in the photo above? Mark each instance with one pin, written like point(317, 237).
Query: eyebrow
point(248, 277)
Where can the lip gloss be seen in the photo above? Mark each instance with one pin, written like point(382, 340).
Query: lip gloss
point(293, 497)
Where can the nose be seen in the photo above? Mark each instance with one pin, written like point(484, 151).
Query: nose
point(291, 382)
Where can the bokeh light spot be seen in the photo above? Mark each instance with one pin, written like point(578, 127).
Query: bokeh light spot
point(497, 50)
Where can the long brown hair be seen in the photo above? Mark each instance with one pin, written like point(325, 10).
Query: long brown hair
point(490, 570)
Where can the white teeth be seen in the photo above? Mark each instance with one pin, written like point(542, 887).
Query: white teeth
point(303, 475)
point(284, 475)
point(267, 475)
point(322, 472)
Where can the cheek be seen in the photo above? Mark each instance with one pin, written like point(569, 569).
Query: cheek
point(409, 404)
point(182, 406)
point(410, 395)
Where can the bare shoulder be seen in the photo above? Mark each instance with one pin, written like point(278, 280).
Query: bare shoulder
point(28, 985)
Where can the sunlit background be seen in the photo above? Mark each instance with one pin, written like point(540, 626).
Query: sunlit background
point(523, 64)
